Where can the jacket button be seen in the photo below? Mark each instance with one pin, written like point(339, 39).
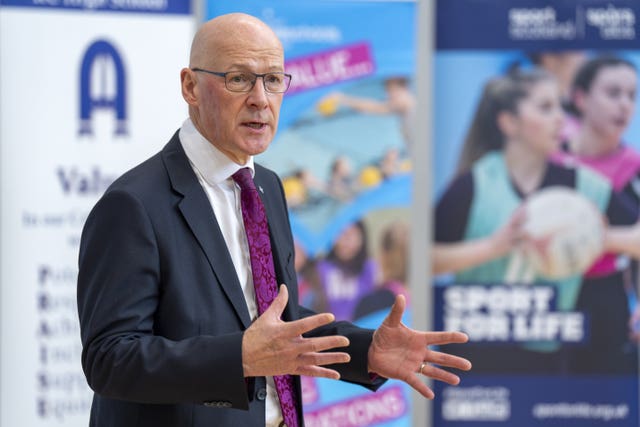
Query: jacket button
point(261, 394)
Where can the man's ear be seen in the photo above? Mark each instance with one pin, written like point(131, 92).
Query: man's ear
point(507, 122)
point(189, 86)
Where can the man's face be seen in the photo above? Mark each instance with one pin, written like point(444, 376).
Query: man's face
point(240, 124)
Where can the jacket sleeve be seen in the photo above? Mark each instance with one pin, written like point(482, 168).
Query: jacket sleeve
point(356, 371)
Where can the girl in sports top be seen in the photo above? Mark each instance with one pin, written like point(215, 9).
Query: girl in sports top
point(603, 96)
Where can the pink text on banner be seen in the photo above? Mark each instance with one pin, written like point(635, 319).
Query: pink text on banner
point(330, 67)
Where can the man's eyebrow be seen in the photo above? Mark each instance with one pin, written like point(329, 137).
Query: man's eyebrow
point(237, 66)
point(246, 67)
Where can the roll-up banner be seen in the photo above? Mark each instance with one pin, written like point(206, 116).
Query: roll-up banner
point(89, 88)
point(537, 132)
point(343, 151)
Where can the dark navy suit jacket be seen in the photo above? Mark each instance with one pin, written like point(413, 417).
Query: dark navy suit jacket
point(162, 313)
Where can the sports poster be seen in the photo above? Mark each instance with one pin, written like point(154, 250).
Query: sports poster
point(89, 89)
point(343, 152)
point(537, 126)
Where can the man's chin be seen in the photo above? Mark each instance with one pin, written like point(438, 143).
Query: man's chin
point(255, 147)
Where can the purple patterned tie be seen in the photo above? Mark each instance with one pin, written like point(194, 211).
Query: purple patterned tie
point(264, 276)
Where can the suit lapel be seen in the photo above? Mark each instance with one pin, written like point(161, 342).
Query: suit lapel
point(197, 212)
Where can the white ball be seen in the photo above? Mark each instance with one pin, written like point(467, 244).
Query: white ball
point(566, 231)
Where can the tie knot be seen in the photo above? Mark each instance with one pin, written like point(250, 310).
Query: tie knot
point(243, 179)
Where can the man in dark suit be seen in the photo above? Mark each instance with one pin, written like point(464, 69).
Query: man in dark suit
point(170, 329)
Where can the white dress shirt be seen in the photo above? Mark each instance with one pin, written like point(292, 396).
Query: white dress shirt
point(214, 169)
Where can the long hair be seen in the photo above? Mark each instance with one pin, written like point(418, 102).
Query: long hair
point(586, 74)
point(500, 94)
point(353, 266)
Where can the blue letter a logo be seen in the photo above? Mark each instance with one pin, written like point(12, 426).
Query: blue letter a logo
point(102, 62)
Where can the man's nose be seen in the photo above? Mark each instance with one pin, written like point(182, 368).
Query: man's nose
point(258, 93)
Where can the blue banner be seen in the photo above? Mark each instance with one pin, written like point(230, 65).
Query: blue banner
point(343, 153)
point(557, 349)
point(541, 24)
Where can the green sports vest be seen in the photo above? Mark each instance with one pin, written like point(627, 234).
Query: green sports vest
point(494, 201)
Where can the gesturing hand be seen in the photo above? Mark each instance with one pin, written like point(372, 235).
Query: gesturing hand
point(400, 352)
point(271, 346)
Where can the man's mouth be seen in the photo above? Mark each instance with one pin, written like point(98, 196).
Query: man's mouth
point(255, 125)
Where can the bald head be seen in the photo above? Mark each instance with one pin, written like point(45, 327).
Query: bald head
point(232, 33)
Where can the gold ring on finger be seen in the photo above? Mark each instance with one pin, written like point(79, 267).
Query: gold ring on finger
point(422, 367)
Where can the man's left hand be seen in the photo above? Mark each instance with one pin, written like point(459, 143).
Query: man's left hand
point(402, 353)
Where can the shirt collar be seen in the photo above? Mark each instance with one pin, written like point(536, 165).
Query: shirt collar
point(214, 166)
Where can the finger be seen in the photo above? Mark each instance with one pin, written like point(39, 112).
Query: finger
point(320, 359)
point(318, 372)
point(440, 375)
point(417, 384)
point(448, 360)
point(301, 326)
point(318, 344)
point(279, 302)
point(440, 338)
point(394, 318)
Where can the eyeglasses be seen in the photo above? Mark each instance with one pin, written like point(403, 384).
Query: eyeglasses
point(243, 81)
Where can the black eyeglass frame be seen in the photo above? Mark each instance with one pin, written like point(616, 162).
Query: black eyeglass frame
point(253, 83)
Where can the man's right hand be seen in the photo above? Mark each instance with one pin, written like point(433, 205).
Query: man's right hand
point(271, 346)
